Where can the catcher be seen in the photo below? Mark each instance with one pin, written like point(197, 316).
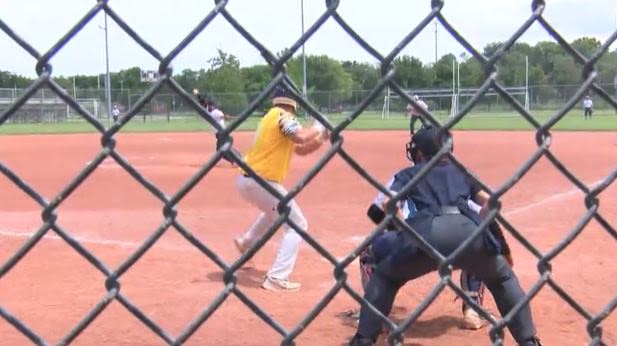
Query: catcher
point(444, 219)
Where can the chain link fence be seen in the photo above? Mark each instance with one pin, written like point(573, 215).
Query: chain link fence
point(280, 78)
point(46, 106)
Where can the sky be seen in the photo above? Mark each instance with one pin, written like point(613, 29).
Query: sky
point(277, 24)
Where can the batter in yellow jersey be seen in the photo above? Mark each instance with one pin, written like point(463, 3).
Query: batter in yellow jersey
point(273, 148)
point(278, 137)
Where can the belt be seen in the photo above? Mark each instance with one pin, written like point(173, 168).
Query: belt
point(449, 209)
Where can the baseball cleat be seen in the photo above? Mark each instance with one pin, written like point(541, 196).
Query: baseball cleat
point(242, 248)
point(277, 285)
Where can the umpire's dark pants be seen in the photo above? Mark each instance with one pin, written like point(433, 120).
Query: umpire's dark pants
point(447, 233)
point(412, 123)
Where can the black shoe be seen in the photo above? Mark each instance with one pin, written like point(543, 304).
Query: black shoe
point(358, 340)
point(535, 341)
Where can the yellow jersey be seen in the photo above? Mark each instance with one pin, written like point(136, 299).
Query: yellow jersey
point(272, 149)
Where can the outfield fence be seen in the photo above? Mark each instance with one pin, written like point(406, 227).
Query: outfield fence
point(170, 222)
point(46, 106)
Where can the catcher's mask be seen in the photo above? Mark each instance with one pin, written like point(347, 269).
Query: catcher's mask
point(425, 141)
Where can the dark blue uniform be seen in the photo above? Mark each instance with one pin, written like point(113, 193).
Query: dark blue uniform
point(444, 220)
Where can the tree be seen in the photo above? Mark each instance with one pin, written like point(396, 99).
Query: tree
point(442, 71)
point(409, 72)
point(491, 48)
point(607, 68)
point(586, 45)
point(565, 71)
point(188, 79)
point(364, 75)
point(471, 74)
point(512, 69)
point(224, 81)
point(327, 76)
point(256, 77)
point(543, 54)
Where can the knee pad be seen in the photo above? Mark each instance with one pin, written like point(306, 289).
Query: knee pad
point(470, 282)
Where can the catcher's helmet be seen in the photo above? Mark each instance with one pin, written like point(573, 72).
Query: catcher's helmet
point(425, 141)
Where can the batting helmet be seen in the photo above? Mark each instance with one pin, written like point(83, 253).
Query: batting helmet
point(281, 98)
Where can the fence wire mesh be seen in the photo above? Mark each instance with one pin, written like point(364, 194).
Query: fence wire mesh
point(281, 79)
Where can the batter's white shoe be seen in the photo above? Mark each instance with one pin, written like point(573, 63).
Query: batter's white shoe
point(242, 248)
point(277, 285)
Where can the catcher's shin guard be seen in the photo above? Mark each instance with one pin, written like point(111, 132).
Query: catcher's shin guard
point(473, 288)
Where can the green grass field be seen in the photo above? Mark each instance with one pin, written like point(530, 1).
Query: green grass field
point(603, 120)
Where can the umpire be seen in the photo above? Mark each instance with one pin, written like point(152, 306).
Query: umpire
point(444, 220)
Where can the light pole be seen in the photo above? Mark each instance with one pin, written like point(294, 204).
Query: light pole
point(458, 77)
point(107, 78)
point(303, 54)
point(435, 41)
point(615, 80)
point(526, 83)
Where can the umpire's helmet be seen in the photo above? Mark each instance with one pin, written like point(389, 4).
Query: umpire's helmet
point(425, 141)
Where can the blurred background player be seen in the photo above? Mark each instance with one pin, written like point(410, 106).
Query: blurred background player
point(218, 116)
point(444, 220)
point(115, 113)
point(588, 106)
point(414, 113)
point(278, 136)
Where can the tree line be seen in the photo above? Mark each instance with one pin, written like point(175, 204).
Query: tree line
point(233, 85)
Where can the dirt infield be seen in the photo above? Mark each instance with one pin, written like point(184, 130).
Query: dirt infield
point(52, 288)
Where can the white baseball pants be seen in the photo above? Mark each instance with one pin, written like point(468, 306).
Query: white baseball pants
point(290, 244)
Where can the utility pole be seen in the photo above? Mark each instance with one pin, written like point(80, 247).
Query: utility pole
point(107, 78)
point(435, 41)
point(615, 80)
point(303, 53)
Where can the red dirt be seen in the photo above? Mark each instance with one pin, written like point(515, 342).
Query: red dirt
point(52, 288)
